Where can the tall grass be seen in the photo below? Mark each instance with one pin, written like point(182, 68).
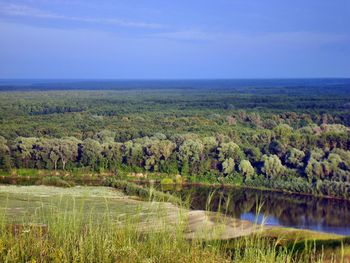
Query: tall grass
point(73, 235)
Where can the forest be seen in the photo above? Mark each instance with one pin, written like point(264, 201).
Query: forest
point(287, 137)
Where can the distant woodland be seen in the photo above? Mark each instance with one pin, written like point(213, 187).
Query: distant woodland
point(287, 138)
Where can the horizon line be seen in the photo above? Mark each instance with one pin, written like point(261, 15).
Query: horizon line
point(161, 79)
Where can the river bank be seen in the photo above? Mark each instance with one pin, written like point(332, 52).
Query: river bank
point(107, 209)
point(58, 179)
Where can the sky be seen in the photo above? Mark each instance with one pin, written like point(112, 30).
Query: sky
point(182, 39)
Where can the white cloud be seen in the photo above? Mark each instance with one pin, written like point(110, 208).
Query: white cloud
point(297, 38)
point(186, 35)
point(26, 11)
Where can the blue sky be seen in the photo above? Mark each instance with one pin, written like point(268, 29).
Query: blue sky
point(174, 39)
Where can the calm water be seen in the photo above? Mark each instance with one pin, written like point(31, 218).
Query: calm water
point(299, 211)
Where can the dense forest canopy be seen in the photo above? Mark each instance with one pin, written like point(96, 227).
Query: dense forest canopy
point(278, 135)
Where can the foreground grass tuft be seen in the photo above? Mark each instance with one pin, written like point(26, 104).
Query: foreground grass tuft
point(76, 236)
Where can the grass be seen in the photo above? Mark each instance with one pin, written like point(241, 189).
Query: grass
point(77, 234)
point(72, 238)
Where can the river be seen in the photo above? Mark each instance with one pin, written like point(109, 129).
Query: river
point(271, 208)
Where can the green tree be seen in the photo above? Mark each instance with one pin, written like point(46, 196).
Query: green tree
point(91, 153)
point(68, 150)
point(228, 166)
point(273, 167)
point(54, 156)
point(246, 169)
point(314, 170)
point(283, 133)
point(190, 153)
point(230, 150)
point(295, 158)
point(5, 158)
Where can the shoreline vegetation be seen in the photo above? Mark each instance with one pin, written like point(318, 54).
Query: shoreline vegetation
point(66, 179)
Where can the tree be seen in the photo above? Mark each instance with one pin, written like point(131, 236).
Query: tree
point(190, 152)
point(345, 157)
point(295, 158)
point(277, 148)
point(283, 133)
point(54, 156)
point(210, 144)
point(246, 169)
point(317, 154)
point(261, 137)
point(314, 170)
point(105, 136)
point(24, 148)
point(253, 154)
point(273, 167)
point(157, 152)
point(255, 119)
point(5, 158)
point(331, 166)
point(90, 153)
point(230, 150)
point(228, 166)
point(113, 154)
point(68, 150)
point(166, 149)
point(133, 153)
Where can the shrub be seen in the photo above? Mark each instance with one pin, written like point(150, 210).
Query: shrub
point(167, 181)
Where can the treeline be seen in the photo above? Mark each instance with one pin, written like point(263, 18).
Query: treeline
point(311, 159)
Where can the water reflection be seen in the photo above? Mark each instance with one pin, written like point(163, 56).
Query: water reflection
point(300, 211)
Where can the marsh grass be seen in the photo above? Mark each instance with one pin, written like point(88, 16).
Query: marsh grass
point(68, 233)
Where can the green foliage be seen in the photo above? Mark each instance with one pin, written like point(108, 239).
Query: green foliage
point(280, 132)
point(295, 158)
point(167, 181)
point(26, 172)
point(272, 167)
point(230, 150)
point(228, 166)
point(233, 179)
point(246, 169)
point(210, 177)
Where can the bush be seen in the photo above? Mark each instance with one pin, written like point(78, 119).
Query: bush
point(209, 177)
point(234, 179)
point(167, 181)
